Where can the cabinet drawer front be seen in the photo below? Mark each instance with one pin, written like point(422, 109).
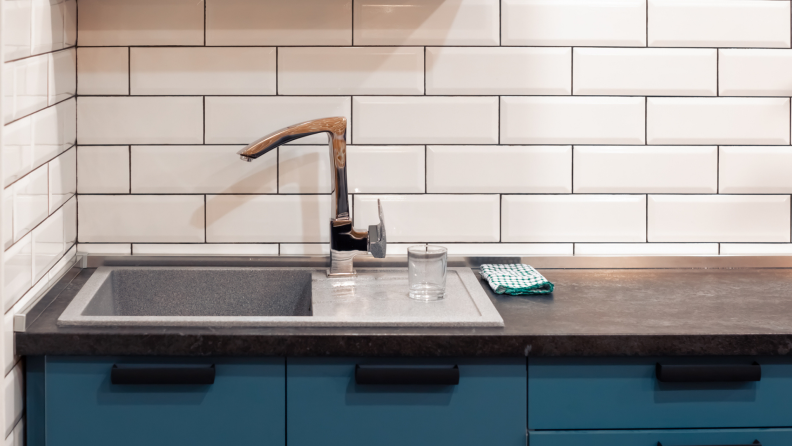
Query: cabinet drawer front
point(610, 393)
point(244, 406)
point(326, 405)
point(702, 437)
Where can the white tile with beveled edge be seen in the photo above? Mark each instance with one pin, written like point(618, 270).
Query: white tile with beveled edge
point(572, 120)
point(202, 71)
point(351, 70)
point(62, 179)
point(17, 436)
point(755, 170)
point(54, 131)
point(69, 8)
point(756, 249)
point(7, 228)
point(141, 120)
point(386, 169)
point(432, 218)
point(8, 92)
point(574, 22)
point(303, 170)
point(70, 221)
point(17, 18)
point(25, 87)
point(716, 23)
point(718, 218)
point(48, 244)
point(295, 22)
point(65, 262)
point(9, 355)
point(103, 71)
point(641, 169)
point(755, 72)
point(207, 249)
point(763, 121)
point(14, 391)
point(105, 248)
point(62, 75)
point(30, 201)
point(509, 249)
point(425, 120)
point(304, 249)
point(17, 150)
point(499, 169)
point(103, 169)
point(125, 23)
point(574, 218)
point(267, 218)
point(426, 22)
point(200, 170)
point(17, 271)
point(500, 70)
point(47, 31)
point(646, 249)
point(242, 120)
point(646, 71)
point(141, 218)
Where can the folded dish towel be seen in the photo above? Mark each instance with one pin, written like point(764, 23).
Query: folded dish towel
point(515, 279)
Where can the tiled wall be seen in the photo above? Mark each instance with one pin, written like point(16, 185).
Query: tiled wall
point(533, 127)
point(39, 168)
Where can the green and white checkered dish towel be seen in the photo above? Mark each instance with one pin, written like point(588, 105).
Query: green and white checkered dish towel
point(515, 279)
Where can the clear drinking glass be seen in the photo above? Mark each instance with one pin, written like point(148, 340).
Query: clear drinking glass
point(427, 271)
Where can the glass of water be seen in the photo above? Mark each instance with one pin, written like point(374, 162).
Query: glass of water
point(427, 271)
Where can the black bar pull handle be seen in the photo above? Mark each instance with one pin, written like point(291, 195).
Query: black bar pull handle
point(421, 376)
point(708, 373)
point(755, 443)
point(162, 375)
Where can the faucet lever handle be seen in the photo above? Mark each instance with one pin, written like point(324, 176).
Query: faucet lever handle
point(377, 242)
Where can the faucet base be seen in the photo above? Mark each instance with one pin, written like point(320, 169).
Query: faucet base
point(341, 263)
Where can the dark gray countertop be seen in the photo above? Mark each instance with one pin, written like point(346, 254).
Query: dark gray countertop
point(594, 312)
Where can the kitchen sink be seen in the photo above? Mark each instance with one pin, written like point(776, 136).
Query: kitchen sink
point(266, 297)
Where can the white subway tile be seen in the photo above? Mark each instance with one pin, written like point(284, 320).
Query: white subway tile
point(48, 244)
point(304, 249)
point(242, 120)
point(572, 120)
point(574, 22)
point(62, 75)
point(646, 249)
point(361, 70)
point(14, 386)
point(304, 170)
point(7, 227)
point(47, 31)
point(732, 23)
point(70, 221)
point(645, 71)
point(141, 218)
point(426, 22)
point(203, 249)
point(17, 437)
point(18, 271)
point(295, 22)
point(755, 170)
point(17, 150)
point(103, 71)
point(425, 120)
point(123, 22)
point(30, 202)
point(574, 218)
point(103, 169)
point(718, 121)
point(755, 72)
point(54, 131)
point(16, 28)
point(65, 262)
point(502, 70)
point(200, 169)
point(104, 248)
point(499, 169)
point(8, 92)
point(62, 179)
point(9, 355)
point(267, 218)
point(203, 71)
point(69, 11)
point(756, 249)
point(25, 86)
point(677, 169)
point(509, 249)
point(140, 120)
point(386, 169)
point(432, 218)
point(719, 218)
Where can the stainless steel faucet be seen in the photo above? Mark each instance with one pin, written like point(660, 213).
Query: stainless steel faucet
point(345, 241)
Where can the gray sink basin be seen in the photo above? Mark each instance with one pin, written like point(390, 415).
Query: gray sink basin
point(267, 297)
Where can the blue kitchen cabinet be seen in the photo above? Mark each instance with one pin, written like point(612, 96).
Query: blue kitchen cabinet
point(664, 437)
point(327, 406)
point(244, 406)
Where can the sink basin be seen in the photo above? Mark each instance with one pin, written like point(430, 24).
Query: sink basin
point(268, 297)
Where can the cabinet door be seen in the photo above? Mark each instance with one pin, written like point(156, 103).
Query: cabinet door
point(244, 406)
point(743, 437)
point(327, 407)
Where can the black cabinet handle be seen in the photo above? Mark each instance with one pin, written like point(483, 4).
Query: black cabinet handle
point(422, 376)
point(755, 443)
point(708, 373)
point(162, 375)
